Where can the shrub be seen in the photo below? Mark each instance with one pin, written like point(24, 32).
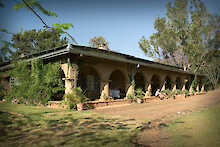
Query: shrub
point(75, 97)
point(36, 83)
point(177, 92)
point(139, 93)
point(130, 96)
point(169, 93)
point(186, 92)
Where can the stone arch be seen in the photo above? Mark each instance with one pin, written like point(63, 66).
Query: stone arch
point(178, 83)
point(188, 83)
point(155, 83)
point(139, 81)
point(168, 83)
point(200, 85)
point(117, 84)
point(89, 81)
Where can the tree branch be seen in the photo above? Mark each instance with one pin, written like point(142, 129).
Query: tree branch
point(41, 19)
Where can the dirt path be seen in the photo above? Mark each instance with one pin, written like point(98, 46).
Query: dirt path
point(160, 109)
point(155, 115)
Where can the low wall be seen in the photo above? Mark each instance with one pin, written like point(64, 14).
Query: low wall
point(99, 104)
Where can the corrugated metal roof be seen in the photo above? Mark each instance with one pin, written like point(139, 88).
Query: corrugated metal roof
point(99, 53)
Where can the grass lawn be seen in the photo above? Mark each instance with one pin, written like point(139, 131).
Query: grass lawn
point(22, 125)
point(200, 129)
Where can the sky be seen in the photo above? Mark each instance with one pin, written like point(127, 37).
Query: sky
point(121, 22)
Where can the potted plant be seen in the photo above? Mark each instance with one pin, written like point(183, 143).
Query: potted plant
point(139, 95)
point(76, 99)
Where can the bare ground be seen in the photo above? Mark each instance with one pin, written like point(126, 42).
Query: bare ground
point(156, 114)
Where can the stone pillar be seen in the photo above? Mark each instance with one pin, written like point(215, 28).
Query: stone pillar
point(184, 84)
point(104, 89)
point(173, 82)
point(197, 87)
point(163, 82)
point(131, 72)
point(164, 86)
point(148, 89)
point(71, 75)
point(130, 90)
point(203, 87)
point(191, 89)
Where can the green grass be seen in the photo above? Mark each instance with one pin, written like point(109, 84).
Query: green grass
point(22, 125)
point(200, 129)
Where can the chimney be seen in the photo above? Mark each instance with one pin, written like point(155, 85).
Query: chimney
point(102, 46)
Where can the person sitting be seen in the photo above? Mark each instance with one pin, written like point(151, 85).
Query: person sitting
point(157, 92)
point(160, 95)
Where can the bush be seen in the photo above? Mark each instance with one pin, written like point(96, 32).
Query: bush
point(75, 97)
point(177, 92)
point(36, 83)
point(139, 93)
point(169, 93)
point(186, 92)
point(130, 96)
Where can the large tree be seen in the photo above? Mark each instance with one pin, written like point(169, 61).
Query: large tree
point(32, 41)
point(184, 36)
point(212, 68)
point(35, 7)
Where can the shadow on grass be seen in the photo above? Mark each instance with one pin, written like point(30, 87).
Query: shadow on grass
point(61, 128)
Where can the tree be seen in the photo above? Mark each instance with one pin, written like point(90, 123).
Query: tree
point(32, 41)
point(99, 42)
point(5, 51)
point(34, 4)
point(35, 7)
point(212, 69)
point(184, 36)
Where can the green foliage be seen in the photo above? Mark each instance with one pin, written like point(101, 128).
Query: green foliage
point(34, 4)
point(5, 51)
point(78, 129)
point(1, 4)
point(167, 92)
point(130, 96)
point(98, 42)
point(212, 69)
point(194, 83)
point(171, 93)
point(75, 97)
point(139, 93)
point(177, 92)
point(61, 27)
point(107, 97)
point(32, 41)
point(36, 83)
point(2, 90)
point(184, 36)
point(186, 92)
point(5, 31)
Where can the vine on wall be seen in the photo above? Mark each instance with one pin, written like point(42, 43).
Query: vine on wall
point(36, 83)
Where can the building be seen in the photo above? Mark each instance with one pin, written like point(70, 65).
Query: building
point(103, 73)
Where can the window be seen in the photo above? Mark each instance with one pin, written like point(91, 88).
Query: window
point(13, 82)
point(90, 82)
